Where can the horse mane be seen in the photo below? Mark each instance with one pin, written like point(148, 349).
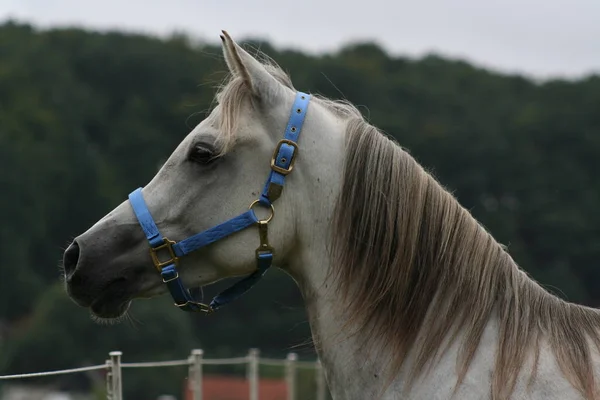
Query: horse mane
point(415, 268)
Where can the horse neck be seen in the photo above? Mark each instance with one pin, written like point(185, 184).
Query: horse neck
point(350, 369)
point(356, 368)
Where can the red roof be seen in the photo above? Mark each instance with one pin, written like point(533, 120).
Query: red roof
point(216, 387)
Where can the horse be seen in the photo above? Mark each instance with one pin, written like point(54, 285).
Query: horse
point(407, 295)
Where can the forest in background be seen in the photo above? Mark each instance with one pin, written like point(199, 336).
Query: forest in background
point(85, 117)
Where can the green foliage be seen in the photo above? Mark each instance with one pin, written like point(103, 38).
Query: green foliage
point(85, 117)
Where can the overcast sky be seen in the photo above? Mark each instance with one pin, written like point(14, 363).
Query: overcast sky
point(542, 38)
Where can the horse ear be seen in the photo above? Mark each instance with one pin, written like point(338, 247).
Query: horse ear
point(256, 77)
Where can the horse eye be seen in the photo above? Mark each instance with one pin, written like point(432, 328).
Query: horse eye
point(201, 154)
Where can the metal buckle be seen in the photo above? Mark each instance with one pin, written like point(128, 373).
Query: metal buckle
point(205, 308)
point(168, 244)
point(172, 279)
point(284, 171)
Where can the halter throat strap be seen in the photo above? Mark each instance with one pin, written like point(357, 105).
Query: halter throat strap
point(166, 253)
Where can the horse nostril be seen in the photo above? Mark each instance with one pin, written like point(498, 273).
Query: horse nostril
point(70, 259)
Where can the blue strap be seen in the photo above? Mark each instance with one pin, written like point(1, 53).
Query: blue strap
point(263, 261)
point(187, 301)
point(215, 233)
point(145, 218)
point(182, 297)
point(286, 151)
point(192, 243)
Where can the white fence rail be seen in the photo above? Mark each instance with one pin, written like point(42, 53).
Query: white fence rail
point(195, 362)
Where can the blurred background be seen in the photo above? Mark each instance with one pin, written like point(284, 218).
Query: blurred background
point(499, 99)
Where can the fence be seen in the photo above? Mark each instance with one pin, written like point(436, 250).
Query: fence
point(195, 361)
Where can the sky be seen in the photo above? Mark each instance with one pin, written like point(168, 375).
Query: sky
point(537, 38)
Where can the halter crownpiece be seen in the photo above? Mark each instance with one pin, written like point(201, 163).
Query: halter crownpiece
point(282, 163)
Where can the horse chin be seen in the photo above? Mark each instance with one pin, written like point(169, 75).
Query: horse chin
point(110, 310)
point(113, 302)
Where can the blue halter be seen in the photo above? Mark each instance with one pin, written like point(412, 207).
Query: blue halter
point(282, 163)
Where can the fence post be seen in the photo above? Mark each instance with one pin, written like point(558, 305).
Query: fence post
point(320, 378)
point(195, 374)
point(290, 375)
point(116, 386)
point(253, 373)
point(109, 395)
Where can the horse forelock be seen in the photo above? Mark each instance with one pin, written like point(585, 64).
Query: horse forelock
point(233, 94)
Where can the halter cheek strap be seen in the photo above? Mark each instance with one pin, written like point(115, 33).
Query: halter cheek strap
point(166, 253)
point(284, 156)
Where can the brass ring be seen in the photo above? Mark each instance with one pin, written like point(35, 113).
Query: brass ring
point(269, 218)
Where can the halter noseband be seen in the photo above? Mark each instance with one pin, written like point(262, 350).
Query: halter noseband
point(282, 163)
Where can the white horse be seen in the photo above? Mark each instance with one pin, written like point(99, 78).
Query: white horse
point(408, 296)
